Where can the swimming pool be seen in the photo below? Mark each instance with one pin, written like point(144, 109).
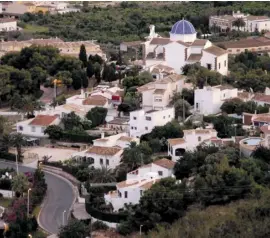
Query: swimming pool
point(252, 141)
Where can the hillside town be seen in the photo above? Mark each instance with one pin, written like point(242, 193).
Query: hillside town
point(146, 123)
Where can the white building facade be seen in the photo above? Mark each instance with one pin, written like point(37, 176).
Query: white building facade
point(191, 139)
point(208, 100)
point(157, 95)
point(8, 24)
point(106, 151)
point(142, 122)
point(35, 127)
point(138, 181)
point(183, 48)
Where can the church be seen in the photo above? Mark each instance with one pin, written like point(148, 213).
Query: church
point(183, 48)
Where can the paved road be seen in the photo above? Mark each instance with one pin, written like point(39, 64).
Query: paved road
point(59, 198)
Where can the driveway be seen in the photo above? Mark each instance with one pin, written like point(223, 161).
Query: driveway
point(59, 198)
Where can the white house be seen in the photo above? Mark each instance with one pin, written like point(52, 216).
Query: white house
point(183, 48)
point(35, 127)
point(142, 122)
point(189, 142)
point(139, 181)
point(252, 23)
point(157, 95)
point(107, 151)
point(208, 100)
point(8, 24)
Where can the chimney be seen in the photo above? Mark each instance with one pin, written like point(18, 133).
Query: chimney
point(102, 135)
point(255, 112)
point(82, 93)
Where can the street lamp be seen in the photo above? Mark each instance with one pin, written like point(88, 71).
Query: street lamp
point(64, 217)
point(28, 201)
point(141, 230)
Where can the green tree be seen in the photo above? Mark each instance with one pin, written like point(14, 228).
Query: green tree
point(239, 22)
point(71, 121)
point(103, 175)
point(17, 140)
point(97, 116)
point(79, 79)
point(74, 229)
point(108, 73)
point(20, 183)
point(83, 55)
point(55, 132)
point(182, 107)
point(97, 69)
point(65, 77)
point(90, 70)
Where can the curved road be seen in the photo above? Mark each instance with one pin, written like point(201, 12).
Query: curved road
point(59, 198)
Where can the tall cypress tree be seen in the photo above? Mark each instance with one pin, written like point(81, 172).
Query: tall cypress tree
point(83, 55)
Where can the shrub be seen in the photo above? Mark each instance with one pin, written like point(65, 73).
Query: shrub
point(7, 156)
point(99, 225)
point(5, 184)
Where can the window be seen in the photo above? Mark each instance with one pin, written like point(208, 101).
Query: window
point(199, 138)
point(126, 194)
point(146, 128)
point(164, 117)
point(101, 161)
point(158, 99)
point(160, 173)
point(148, 118)
point(238, 50)
point(119, 194)
point(134, 118)
point(135, 128)
point(218, 65)
point(20, 128)
point(132, 128)
point(209, 66)
point(141, 192)
point(33, 129)
point(225, 63)
point(197, 105)
point(107, 162)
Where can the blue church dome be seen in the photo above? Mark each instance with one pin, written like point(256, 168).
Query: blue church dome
point(183, 27)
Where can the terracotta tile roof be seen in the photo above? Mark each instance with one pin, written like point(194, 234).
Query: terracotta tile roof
point(126, 183)
point(101, 140)
point(262, 118)
point(176, 141)
point(4, 20)
point(261, 97)
point(225, 17)
point(217, 51)
point(97, 100)
point(159, 91)
point(43, 120)
point(165, 163)
point(244, 95)
point(132, 43)
point(102, 150)
point(246, 43)
point(119, 121)
point(126, 138)
point(194, 57)
point(265, 129)
point(148, 185)
point(254, 18)
point(199, 42)
point(199, 131)
point(160, 41)
point(224, 87)
point(162, 68)
point(183, 43)
point(171, 78)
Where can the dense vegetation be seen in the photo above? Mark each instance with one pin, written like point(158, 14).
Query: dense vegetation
point(130, 21)
point(209, 176)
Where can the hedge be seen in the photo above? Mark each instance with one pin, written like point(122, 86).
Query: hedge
point(68, 136)
point(7, 156)
point(104, 216)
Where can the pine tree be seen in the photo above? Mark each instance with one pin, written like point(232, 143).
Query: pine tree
point(83, 55)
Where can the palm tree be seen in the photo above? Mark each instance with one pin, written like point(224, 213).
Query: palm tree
point(239, 22)
point(17, 140)
point(103, 175)
point(20, 183)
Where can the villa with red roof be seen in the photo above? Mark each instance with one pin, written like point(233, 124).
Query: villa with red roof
point(35, 127)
